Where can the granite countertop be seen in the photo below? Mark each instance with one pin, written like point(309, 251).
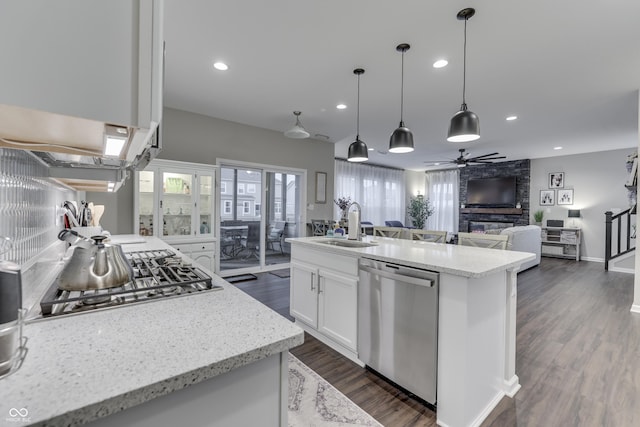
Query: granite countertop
point(465, 261)
point(85, 366)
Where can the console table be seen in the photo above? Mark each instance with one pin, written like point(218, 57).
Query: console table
point(561, 242)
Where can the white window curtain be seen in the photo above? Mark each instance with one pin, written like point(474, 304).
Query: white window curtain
point(442, 188)
point(379, 190)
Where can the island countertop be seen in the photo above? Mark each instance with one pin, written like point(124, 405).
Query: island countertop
point(85, 366)
point(465, 261)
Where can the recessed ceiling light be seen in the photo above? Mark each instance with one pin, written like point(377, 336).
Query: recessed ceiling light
point(341, 106)
point(557, 148)
point(440, 63)
point(371, 149)
point(511, 118)
point(220, 66)
point(437, 164)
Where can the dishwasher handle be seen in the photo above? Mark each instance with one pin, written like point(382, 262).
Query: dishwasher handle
point(399, 277)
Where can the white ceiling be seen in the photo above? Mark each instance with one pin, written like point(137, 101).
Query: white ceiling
point(569, 69)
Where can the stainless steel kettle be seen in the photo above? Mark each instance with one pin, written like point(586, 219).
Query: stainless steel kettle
point(94, 264)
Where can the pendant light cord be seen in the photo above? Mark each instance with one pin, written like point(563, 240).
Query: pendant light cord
point(464, 64)
point(402, 88)
point(358, 112)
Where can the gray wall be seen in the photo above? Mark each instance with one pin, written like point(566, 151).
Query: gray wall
point(191, 137)
point(597, 180)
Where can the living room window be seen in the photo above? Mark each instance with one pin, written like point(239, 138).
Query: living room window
point(442, 189)
point(379, 190)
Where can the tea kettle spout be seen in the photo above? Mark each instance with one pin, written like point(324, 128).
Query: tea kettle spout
point(101, 262)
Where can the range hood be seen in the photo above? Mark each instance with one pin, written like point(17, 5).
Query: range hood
point(73, 148)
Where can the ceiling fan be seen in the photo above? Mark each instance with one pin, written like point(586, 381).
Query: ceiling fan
point(464, 159)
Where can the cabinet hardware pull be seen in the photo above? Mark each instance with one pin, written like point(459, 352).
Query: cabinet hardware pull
point(313, 281)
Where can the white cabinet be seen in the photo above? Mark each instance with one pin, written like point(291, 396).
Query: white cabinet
point(99, 60)
point(324, 297)
point(175, 201)
point(202, 253)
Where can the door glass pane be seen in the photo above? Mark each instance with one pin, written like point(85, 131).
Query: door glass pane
point(240, 217)
point(145, 199)
point(205, 203)
point(282, 215)
point(176, 203)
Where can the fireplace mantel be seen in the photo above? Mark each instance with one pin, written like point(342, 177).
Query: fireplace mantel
point(502, 211)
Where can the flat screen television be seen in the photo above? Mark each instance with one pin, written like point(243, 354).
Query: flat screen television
point(492, 192)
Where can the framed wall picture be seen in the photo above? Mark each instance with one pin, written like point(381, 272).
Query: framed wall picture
point(321, 187)
point(556, 180)
point(565, 197)
point(547, 197)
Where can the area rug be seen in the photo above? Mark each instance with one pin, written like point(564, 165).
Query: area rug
point(285, 272)
point(313, 402)
point(240, 278)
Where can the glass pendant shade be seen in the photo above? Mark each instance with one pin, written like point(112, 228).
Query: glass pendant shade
point(297, 131)
point(358, 151)
point(464, 126)
point(401, 140)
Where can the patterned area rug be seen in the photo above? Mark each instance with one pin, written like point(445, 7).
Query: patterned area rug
point(313, 402)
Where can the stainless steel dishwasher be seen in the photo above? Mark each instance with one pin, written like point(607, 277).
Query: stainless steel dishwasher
point(398, 325)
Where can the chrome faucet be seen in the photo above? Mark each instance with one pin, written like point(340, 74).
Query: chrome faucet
point(359, 232)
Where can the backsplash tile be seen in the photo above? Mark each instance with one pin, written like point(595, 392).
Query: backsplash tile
point(28, 204)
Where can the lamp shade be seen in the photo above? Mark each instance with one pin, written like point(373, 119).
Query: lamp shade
point(574, 213)
point(464, 126)
point(401, 140)
point(358, 151)
point(297, 131)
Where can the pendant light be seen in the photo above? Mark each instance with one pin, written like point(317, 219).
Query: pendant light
point(358, 151)
point(465, 125)
point(401, 139)
point(297, 131)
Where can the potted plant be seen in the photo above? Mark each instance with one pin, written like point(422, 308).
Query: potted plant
point(343, 204)
point(537, 217)
point(419, 210)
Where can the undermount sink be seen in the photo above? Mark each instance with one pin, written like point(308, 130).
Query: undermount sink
point(348, 243)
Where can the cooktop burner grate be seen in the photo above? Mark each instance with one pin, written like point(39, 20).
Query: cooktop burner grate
point(157, 274)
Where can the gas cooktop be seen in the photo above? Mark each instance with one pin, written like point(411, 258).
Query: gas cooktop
point(157, 274)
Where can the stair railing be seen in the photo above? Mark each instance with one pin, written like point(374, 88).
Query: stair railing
point(622, 221)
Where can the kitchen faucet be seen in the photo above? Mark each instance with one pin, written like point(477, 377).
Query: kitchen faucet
point(359, 229)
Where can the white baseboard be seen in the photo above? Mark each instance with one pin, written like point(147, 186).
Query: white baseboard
point(512, 386)
point(487, 410)
point(622, 270)
point(592, 259)
point(635, 308)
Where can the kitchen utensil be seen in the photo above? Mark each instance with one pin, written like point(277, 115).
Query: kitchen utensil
point(90, 206)
point(98, 210)
point(94, 264)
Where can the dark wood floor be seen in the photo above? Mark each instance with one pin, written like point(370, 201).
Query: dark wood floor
point(578, 353)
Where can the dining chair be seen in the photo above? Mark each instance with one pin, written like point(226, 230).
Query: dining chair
point(480, 240)
point(318, 227)
point(276, 235)
point(252, 242)
point(428, 235)
point(395, 232)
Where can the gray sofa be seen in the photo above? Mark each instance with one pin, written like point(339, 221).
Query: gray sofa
point(526, 238)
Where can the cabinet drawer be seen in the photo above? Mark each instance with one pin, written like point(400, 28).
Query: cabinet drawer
point(184, 248)
point(203, 247)
point(327, 260)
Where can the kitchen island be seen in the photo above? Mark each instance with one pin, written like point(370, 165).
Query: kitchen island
point(476, 312)
point(214, 358)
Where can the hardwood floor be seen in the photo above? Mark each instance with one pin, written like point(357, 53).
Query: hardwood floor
point(577, 355)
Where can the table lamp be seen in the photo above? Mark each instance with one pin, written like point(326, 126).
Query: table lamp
point(574, 213)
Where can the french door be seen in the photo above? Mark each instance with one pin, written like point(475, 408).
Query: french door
point(259, 207)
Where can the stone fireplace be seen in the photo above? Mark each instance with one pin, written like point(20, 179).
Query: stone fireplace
point(484, 226)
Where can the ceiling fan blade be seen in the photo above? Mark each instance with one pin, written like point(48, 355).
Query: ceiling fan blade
point(485, 155)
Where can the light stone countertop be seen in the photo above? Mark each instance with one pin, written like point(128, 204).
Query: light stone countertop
point(82, 367)
point(465, 261)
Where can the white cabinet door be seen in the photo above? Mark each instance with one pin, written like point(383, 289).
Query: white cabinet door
point(338, 310)
point(304, 293)
point(204, 259)
point(99, 60)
